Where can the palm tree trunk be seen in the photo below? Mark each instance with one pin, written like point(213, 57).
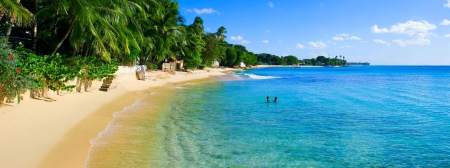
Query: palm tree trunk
point(65, 36)
point(34, 33)
point(55, 21)
point(11, 22)
point(8, 30)
point(2, 13)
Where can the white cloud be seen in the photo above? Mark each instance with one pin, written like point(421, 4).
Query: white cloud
point(317, 45)
point(419, 41)
point(265, 41)
point(239, 39)
point(267, 31)
point(445, 22)
point(381, 42)
point(271, 4)
point(338, 38)
point(329, 41)
point(299, 46)
point(420, 30)
point(207, 29)
point(280, 41)
point(342, 35)
point(362, 41)
point(353, 38)
point(447, 36)
point(447, 4)
point(412, 28)
point(205, 10)
point(346, 46)
point(375, 29)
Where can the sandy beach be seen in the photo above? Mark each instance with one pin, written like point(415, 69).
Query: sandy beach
point(55, 132)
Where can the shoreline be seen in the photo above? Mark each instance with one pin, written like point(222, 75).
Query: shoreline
point(57, 133)
point(291, 66)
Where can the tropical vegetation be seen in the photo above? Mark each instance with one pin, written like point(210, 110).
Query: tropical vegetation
point(269, 59)
point(49, 42)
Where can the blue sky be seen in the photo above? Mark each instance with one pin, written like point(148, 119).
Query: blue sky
point(382, 32)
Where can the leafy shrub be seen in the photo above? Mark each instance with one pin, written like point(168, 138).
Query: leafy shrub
point(95, 68)
point(151, 65)
point(55, 71)
point(13, 79)
point(51, 71)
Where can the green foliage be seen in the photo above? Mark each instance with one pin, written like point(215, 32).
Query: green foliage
point(231, 56)
point(129, 59)
point(163, 31)
point(13, 79)
point(193, 44)
point(151, 65)
point(276, 60)
point(322, 60)
point(235, 54)
point(55, 71)
point(52, 71)
point(95, 67)
point(214, 49)
point(251, 59)
point(291, 60)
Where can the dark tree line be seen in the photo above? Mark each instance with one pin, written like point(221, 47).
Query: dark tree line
point(269, 59)
point(323, 61)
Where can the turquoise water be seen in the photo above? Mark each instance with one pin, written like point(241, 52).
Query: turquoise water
point(374, 116)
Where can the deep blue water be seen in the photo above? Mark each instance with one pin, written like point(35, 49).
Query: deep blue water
point(368, 116)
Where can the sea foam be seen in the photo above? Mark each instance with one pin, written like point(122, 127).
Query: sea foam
point(253, 76)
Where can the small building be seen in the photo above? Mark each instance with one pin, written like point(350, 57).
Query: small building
point(242, 65)
point(172, 66)
point(215, 64)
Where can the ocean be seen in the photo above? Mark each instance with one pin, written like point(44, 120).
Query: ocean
point(358, 116)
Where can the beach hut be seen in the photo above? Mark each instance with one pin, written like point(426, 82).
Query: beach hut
point(242, 65)
point(215, 64)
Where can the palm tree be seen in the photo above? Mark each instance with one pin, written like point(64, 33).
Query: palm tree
point(221, 33)
point(193, 44)
point(164, 30)
point(97, 27)
point(114, 30)
point(17, 14)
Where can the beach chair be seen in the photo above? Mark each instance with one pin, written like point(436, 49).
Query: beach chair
point(140, 72)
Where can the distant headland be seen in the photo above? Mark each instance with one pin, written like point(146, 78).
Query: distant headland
point(268, 59)
point(358, 63)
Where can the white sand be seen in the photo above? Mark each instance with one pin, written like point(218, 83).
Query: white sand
point(32, 132)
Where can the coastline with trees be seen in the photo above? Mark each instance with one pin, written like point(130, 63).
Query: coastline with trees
point(53, 48)
point(269, 59)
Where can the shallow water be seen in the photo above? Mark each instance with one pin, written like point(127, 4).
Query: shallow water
point(375, 116)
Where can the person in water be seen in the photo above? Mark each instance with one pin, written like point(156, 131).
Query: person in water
point(275, 100)
point(268, 100)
